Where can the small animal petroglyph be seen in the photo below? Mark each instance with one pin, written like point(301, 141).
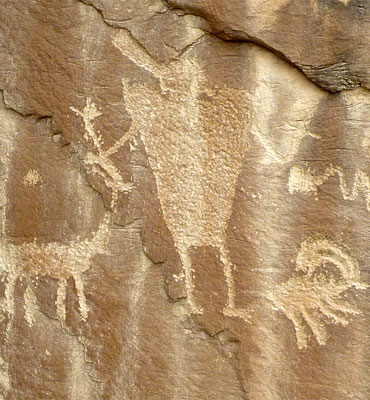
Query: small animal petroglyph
point(59, 261)
point(195, 139)
point(32, 178)
point(324, 272)
point(307, 181)
point(99, 163)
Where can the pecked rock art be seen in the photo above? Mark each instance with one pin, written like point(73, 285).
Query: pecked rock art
point(313, 296)
point(186, 125)
point(60, 261)
point(63, 56)
point(32, 178)
point(307, 181)
point(195, 139)
point(99, 162)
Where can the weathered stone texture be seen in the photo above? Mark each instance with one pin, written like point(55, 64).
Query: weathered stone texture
point(326, 39)
point(184, 200)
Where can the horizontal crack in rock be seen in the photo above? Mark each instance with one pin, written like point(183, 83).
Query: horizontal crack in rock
point(343, 80)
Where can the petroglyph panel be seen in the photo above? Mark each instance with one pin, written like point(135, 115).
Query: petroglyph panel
point(182, 212)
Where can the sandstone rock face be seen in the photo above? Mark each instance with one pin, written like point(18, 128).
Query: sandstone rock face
point(185, 199)
point(326, 39)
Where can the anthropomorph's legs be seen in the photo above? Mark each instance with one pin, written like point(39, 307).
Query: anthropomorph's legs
point(61, 298)
point(230, 309)
point(81, 296)
point(189, 283)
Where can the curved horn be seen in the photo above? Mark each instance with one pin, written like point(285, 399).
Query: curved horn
point(315, 252)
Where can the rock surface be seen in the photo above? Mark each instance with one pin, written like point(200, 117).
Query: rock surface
point(185, 199)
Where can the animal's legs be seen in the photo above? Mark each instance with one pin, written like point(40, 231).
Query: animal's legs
point(315, 324)
point(189, 283)
point(230, 310)
point(296, 317)
point(30, 302)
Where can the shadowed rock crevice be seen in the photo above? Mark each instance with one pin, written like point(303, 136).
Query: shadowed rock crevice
point(298, 32)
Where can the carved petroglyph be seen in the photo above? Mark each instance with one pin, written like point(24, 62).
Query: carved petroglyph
point(307, 181)
point(195, 139)
point(32, 178)
point(324, 272)
point(99, 162)
point(30, 305)
point(29, 261)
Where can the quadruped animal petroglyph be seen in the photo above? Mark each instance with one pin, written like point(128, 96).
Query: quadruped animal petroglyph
point(307, 181)
point(194, 135)
point(60, 261)
point(324, 272)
